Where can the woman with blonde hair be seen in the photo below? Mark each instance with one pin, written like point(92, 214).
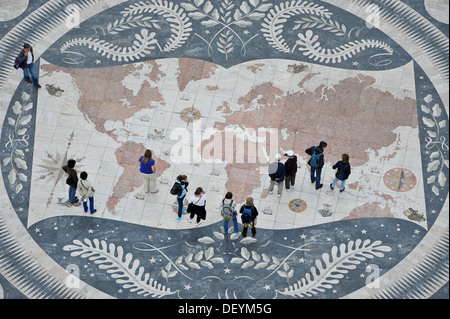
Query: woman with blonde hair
point(148, 172)
point(342, 173)
point(248, 215)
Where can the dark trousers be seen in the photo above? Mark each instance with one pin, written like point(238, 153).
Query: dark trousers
point(315, 176)
point(180, 205)
point(252, 227)
point(289, 180)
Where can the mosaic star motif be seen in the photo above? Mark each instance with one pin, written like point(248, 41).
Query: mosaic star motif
point(400, 179)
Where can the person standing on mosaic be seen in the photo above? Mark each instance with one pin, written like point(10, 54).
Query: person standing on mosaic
point(277, 173)
point(26, 58)
point(148, 172)
point(342, 173)
point(316, 162)
point(291, 170)
point(229, 212)
point(248, 213)
point(86, 191)
point(197, 206)
point(179, 189)
point(72, 181)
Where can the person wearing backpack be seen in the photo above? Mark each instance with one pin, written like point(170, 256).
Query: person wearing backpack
point(26, 62)
point(316, 162)
point(248, 213)
point(179, 189)
point(277, 173)
point(228, 213)
point(342, 173)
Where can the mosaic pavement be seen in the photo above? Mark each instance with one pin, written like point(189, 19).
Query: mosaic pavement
point(215, 89)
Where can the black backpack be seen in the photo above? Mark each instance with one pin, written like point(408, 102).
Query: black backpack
point(175, 190)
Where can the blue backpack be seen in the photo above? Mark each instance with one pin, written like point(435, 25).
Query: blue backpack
point(247, 215)
point(315, 159)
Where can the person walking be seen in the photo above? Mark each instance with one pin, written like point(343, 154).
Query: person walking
point(228, 213)
point(291, 170)
point(148, 172)
point(342, 173)
point(179, 189)
point(316, 162)
point(26, 59)
point(248, 213)
point(72, 181)
point(277, 173)
point(197, 206)
point(86, 191)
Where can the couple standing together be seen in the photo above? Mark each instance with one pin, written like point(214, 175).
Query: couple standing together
point(196, 203)
point(317, 162)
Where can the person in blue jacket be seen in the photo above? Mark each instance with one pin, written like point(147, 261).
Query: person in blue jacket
point(179, 189)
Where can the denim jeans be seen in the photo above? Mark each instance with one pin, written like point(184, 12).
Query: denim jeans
point(30, 68)
point(235, 225)
point(335, 181)
point(72, 191)
point(315, 176)
point(180, 205)
point(91, 205)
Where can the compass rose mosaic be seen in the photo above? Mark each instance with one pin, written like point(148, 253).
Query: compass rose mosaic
point(399, 179)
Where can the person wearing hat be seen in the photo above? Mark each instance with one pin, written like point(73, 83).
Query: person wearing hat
point(291, 170)
point(277, 173)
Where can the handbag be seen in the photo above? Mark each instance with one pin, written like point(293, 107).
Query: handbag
point(190, 205)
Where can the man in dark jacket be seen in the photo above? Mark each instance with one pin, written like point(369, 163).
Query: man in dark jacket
point(316, 162)
point(26, 58)
point(277, 172)
point(291, 170)
point(72, 181)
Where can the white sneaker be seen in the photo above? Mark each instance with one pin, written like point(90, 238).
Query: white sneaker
point(189, 219)
point(279, 195)
point(197, 224)
point(270, 192)
point(288, 190)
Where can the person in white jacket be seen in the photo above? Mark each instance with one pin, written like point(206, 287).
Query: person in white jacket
point(86, 191)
